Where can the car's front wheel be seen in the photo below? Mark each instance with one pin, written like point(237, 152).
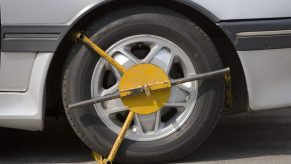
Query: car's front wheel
point(145, 35)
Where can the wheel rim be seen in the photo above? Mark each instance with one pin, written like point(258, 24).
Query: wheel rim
point(146, 49)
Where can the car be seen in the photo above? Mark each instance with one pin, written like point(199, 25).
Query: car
point(44, 69)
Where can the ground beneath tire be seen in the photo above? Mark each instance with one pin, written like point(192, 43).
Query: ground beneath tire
point(254, 138)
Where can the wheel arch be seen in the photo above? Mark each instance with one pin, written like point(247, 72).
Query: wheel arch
point(196, 13)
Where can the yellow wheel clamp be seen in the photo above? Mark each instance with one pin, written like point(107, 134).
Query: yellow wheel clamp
point(143, 88)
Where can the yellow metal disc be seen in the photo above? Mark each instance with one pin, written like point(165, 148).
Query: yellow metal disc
point(145, 75)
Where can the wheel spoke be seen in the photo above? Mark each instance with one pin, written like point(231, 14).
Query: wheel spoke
point(157, 121)
point(176, 104)
point(110, 67)
point(115, 110)
point(186, 87)
point(110, 90)
point(116, 73)
point(164, 59)
point(126, 53)
point(138, 125)
point(180, 107)
point(153, 52)
point(169, 64)
point(178, 95)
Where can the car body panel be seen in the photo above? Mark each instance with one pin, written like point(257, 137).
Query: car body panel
point(39, 26)
point(66, 11)
point(247, 9)
point(16, 70)
point(43, 11)
point(25, 110)
point(268, 77)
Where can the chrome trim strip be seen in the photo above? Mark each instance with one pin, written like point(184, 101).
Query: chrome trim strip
point(30, 36)
point(263, 33)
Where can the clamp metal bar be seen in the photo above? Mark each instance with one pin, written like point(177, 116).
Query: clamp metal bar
point(140, 90)
point(207, 75)
point(95, 100)
point(120, 136)
point(99, 51)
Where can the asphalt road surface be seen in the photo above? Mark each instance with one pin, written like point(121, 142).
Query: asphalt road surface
point(256, 138)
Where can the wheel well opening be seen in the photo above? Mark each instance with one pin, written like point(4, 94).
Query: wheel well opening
point(229, 57)
point(222, 43)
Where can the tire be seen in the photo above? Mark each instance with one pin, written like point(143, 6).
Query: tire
point(159, 22)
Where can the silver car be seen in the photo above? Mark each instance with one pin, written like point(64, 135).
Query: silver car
point(43, 69)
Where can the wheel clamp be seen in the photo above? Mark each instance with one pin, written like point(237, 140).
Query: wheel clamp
point(145, 82)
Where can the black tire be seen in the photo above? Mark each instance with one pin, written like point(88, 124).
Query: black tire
point(144, 20)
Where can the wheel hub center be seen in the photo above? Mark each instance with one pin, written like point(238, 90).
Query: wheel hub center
point(146, 76)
